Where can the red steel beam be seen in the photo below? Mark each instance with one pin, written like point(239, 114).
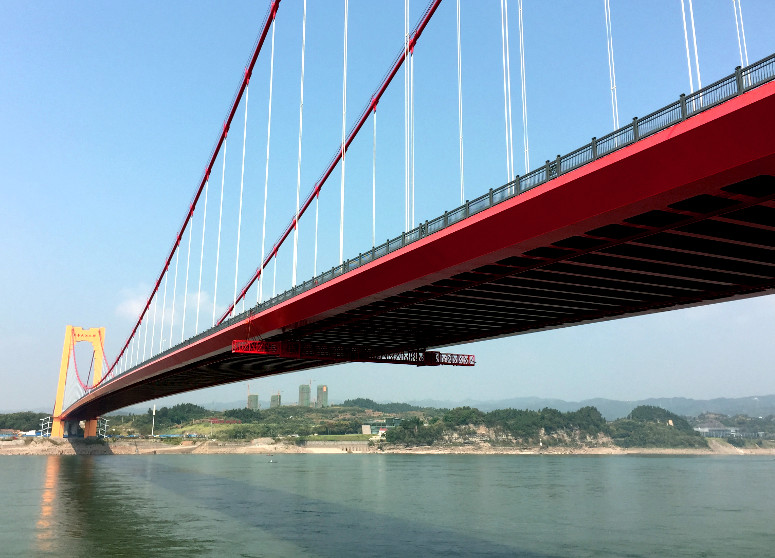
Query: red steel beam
point(375, 98)
point(271, 13)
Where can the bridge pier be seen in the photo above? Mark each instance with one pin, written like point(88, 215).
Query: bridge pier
point(90, 428)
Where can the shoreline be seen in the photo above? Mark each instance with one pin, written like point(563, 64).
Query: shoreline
point(267, 446)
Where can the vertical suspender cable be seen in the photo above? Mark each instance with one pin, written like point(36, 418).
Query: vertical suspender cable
point(266, 173)
point(145, 341)
point(274, 279)
point(298, 166)
point(317, 214)
point(174, 290)
point(505, 94)
point(611, 66)
point(163, 310)
point(508, 82)
point(132, 349)
point(460, 105)
point(344, 131)
point(741, 47)
point(220, 218)
point(524, 91)
point(137, 344)
point(742, 31)
point(406, 115)
point(201, 259)
point(239, 218)
point(153, 331)
point(411, 122)
point(374, 183)
point(686, 44)
point(737, 28)
point(694, 40)
point(185, 290)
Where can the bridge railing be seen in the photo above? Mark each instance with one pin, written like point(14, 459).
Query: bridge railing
point(687, 106)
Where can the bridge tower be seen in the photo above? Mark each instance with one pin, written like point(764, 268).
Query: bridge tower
point(74, 335)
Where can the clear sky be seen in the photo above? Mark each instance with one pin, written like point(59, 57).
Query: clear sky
point(109, 112)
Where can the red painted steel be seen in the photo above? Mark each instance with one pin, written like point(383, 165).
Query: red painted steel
point(346, 353)
point(224, 132)
point(724, 145)
point(335, 161)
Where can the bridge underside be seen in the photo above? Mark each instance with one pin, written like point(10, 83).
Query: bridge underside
point(682, 218)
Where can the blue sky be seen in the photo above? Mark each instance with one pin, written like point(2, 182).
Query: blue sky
point(110, 111)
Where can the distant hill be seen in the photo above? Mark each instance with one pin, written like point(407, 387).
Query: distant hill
point(611, 409)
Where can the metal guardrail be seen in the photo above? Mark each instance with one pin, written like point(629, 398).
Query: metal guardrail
point(742, 80)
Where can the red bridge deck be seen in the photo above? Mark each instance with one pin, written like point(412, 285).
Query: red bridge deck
point(681, 218)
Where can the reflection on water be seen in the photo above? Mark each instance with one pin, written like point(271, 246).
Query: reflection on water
point(386, 505)
point(45, 529)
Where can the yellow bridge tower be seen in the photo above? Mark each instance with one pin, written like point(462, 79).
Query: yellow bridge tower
point(74, 335)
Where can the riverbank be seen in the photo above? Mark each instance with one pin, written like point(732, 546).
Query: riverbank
point(268, 446)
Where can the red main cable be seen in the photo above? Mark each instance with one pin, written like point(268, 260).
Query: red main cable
point(429, 11)
point(271, 13)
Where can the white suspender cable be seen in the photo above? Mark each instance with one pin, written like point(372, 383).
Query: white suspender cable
point(505, 95)
point(153, 331)
point(132, 351)
point(274, 280)
point(411, 123)
point(137, 345)
point(460, 105)
point(201, 259)
point(138, 338)
point(133, 348)
point(185, 290)
point(508, 81)
point(738, 24)
point(694, 40)
point(374, 184)
point(239, 218)
point(524, 92)
point(611, 66)
point(317, 213)
point(406, 115)
point(163, 311)
point(145, 340)
point(737, 28)
point(266, 173)
point(742, 31)
point(220, 217)
point(298, 166)
point(174, 291)
point(344, 130)
point(686, 43)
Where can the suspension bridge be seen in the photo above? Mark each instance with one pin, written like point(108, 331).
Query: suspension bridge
point(673, 209)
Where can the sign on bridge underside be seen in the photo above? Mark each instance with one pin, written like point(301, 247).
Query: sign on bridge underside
point(345, 353)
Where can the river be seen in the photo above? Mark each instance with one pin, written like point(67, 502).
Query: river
point(387, 505)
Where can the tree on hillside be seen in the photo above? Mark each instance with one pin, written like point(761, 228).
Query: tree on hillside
point(24, 421)
point(243, 414)
point(461, 416)
point(650, 413)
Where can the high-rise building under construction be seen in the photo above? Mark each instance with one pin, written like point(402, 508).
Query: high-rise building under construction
point(275, 401)
point(322, 397)
point(253, 402)
point(304, 390)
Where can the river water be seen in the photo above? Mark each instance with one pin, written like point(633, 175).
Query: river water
point(387, 505)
